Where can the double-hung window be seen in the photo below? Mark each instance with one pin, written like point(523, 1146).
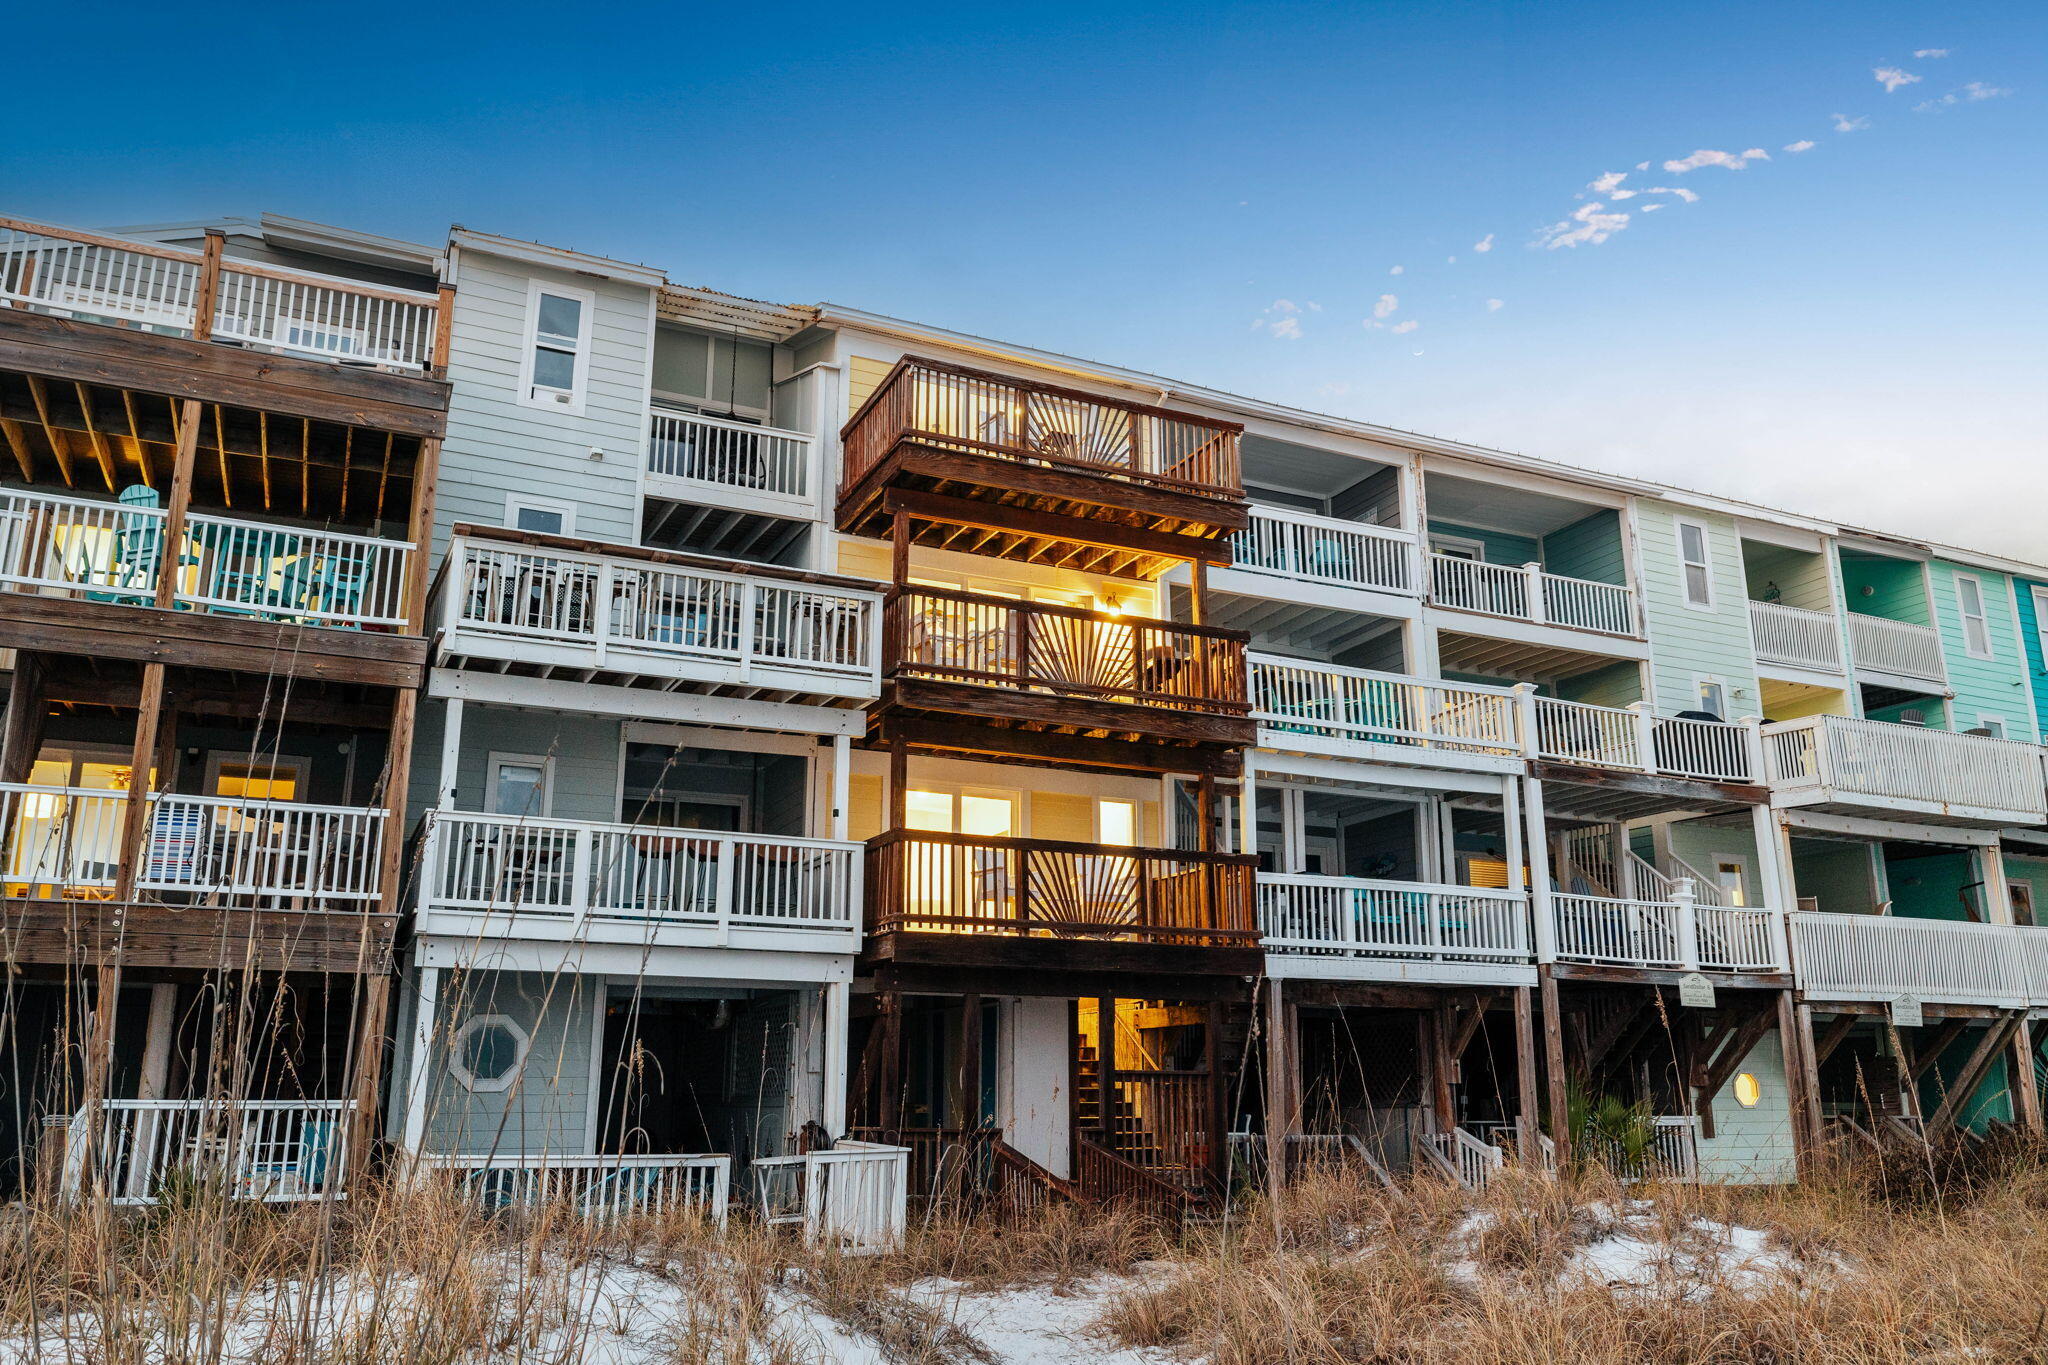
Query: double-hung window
point(1970, 603)
point(1694, 564)
point(557, 346)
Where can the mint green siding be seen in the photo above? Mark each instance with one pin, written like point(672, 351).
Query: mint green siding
point(1698, 844)
point(1617, 684)
point(1892, 588)
point(1753, 1146)
point(1590, 547)
point(1996, 686)
point(1687, 641)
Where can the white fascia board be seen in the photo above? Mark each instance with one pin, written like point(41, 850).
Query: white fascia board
point(724, 965)
point(639, 703)
point(556, 258)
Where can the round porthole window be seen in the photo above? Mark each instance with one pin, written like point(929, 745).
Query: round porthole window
point(1747, 1091)
point(489, 1050)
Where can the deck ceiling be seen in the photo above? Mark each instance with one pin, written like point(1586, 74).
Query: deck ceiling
point(1300, 628)
point(1469, 502)
point(95, 440)
point(78, 684)
point(1487, 657)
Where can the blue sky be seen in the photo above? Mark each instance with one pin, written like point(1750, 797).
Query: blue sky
point(1854, 329)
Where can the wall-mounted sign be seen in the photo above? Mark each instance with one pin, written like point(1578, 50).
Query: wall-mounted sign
point(1906, 1012)
point(1695, 991)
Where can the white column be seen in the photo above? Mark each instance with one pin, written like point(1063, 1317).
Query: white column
point(1539, 874)
point(418, 1082)
point(156, 1044)
point(1646, 735)
point(842, 783)
point(1997, 895)
point(1427, 863)
point(1293, 829)
point(838, 1002)
point(1533, 577)
point(1511, 825)
point(451, 754)
point(1686, 918)
point(1247, 806)
point(1447, 842)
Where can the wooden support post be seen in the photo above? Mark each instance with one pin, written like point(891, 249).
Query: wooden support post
point(1964, 1088)
point(1280, 1121)
point(206, 300)
point(1198, 592)
point(1441, 1096)
point(970, 1115)
point(889, 1084)
point(21, 732)
point(2026, 1087)
point(899, 784)
point(1808, 1086)
point(1205, 805)
point(1105, 1069)
point(444, 330)
point(1528, 1112)
point(171, 552)
point(1805, 1142)
point(899, 549)
point(1217, 1120)
point(373, 1018)
point(1553, 1067)
point(426, 480)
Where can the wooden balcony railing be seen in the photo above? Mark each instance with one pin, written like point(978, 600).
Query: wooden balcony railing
point(208, 296)
point(973, 411)
point(933, 882)
point(1041, 647)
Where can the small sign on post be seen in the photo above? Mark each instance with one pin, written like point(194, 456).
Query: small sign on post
point(1906, 1012)
point(1695, 991)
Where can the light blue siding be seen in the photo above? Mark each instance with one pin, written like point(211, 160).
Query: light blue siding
point(1996, 686)
point(548, 1109)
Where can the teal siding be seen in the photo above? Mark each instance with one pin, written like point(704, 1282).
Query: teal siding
point(1499, 546)
point(1588, 548)
point(2030, 641)
point(1996, 686)
point(1690, 642)
point(1895, 588)
point(1615, 685)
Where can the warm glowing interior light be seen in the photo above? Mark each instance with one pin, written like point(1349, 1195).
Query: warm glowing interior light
point(1118, 822)
point(1747, 1091)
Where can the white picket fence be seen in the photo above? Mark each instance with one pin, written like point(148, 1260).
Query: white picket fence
point(1346, 554)
point(270, 1151)
point(854, 1196)
point(600, 1187)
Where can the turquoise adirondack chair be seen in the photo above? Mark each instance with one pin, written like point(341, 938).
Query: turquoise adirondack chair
point(330, 583)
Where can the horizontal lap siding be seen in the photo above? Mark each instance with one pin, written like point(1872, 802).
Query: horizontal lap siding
point(2030, 639)
point(1588, 548)
point(1500, 547)
point(1996, 686)
point(548, 1109)
point(1753, 1146)
point(1687, 642)
point(497, 445)
point(585, 750)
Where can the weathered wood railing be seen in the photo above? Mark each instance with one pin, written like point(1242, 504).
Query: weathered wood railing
point(1104, 1177)
point(952, 407)
point(92, 275)
point(933, 882)
point(1063, 651)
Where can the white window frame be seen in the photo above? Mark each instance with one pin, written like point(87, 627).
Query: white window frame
point(296, 764)
point(1988, 721)
point(2041, 619)
point(499, 759)
point(1700, 683)
point(1705, 563)
point(522, 1046)
point(1453, 544)
point(515, 503)
point(581, 382)
point(1982, 616)
point(1743, 868)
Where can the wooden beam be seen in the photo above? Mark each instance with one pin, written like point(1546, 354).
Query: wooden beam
point(1051, 526)
point(41, 397)
point(1964, 1088)
point(100, 449)
point(929, 732)
point(2026, 1087)
point(1808, 1085)
point(17, 441)
point(1553, 1056)
point(1825, 1045)
point(1917, 1067)
point(1528, 1108)
point(426, 483)
point(170, 561)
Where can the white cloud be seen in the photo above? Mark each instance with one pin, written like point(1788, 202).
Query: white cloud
point(1651, 208)
point(1281, 319)
point(1734, 161)
point(1642, 165)
point(1314, 307)
point(1892, 77)
point(1606, 183)
point(1493, 305)
point(1623, 194)
point(1484, 244)
point(1398, 270)
point(1385, 307)
point(1689, 196)
point(1283, 306)
point(1803, 145)
point(1402, 328)
point(1845, 124)
point(1450, 260)
point(1589, 225)
point(1286, 329)
point(1931, 52)
point(1977, 90)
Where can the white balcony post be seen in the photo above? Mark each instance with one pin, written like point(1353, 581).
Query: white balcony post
point(1645, 735)
point(1539, 610)
point(842, 782)
point(750, 639)
point(728, 857)
point(1997, 895)
point(1525, 720)
point(602, 626)
point(419, 1082)
point(1687, 923)
point(1753, 747)
point(1248, 806)
point(451, 754)
point(1773, 876)
point(579, 878)
point(1511, 825)
point(1542, 916)
point(838, 1003)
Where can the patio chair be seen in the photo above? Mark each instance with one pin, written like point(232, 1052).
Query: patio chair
point(332, 584)
point(138, 549)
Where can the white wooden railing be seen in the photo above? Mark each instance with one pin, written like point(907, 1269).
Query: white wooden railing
point(1881, 957)
point(1348, 554)
point(640, 610)
point(1677, 933)
point(273, 1151)
point(86, 274)
point(1673, 1153)
point(1799, 636)
point(1295, 697)
point(580, 870)
point(1874, 761)
point(1350, 917)
point(1527, 593)
point(115, 552)
point(1473, 1161)
point(854, 1196)
point(1896, 647)
point(65, 839)
point(717, 453)
point(1634, 737)
point(600, 1187)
